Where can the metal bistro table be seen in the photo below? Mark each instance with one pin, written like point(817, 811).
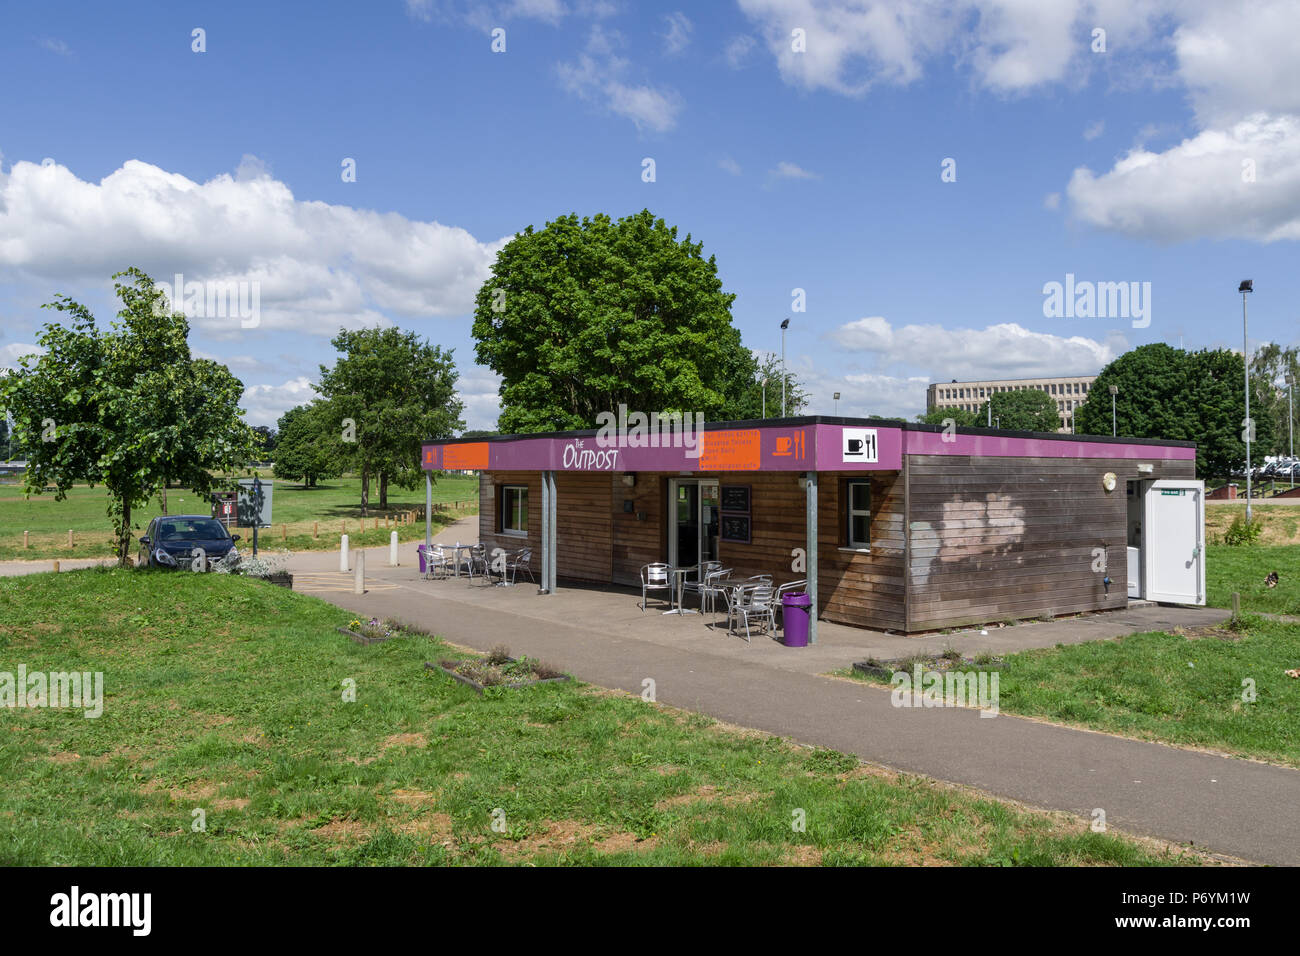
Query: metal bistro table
point(680, 575)
point(456, 549)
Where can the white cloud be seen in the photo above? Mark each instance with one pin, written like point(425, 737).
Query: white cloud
point(1052, 201)
point(1241, 66)
point(786, 170)
point(11, 353)
point(55, 45)
point(1199, 188)
point(600, 76)
point(738, 49)
point(1094, 129)
point(729, 165)
point(1006, 350)
point(678, 37)
point(264, 404)
point(320, 266)
point(479, 389)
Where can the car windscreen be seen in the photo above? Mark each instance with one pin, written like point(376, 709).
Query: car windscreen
point(191, 529)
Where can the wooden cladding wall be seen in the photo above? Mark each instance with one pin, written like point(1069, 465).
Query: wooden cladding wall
point(865, 589)
point(489, 501)
point(637, 536)
point(584, 540)
point(1008, 538)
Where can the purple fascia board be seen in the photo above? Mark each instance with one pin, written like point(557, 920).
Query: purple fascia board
point(792, 448)
point(994, 446)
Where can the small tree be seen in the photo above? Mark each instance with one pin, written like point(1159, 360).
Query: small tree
point(750, 403)
point(1029, 410)
point(128, 408)
point(941, 416)
point(397, 391)
point(308, 445)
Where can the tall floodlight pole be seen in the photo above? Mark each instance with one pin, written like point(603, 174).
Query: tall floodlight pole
point(763, 383)
point(784, 325)
point(1114, 390)
point(837, 404)
point(1247, 286)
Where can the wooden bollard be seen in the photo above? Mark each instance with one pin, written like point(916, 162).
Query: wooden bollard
point(376, 524)
point(56, 565)
point(1236, 604)
point(315, 529)
point(70, 538)
point(284, 532)
point(25, 533)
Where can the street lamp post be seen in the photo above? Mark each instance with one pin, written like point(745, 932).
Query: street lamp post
point(763, 383)
point(837, 404)
point(1247, 286)
point(784, 325)
point(1114, 390)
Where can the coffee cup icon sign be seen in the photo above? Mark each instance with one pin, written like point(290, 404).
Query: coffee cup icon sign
point(855, 446)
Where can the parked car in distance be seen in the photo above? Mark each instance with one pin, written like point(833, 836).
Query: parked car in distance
point(172, 541)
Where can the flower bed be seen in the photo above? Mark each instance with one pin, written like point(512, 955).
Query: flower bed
point(372, 631)
point(499, 669)
point(947, 661)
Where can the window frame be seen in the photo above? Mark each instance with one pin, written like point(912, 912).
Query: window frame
point(503, 509)
point(850, 513)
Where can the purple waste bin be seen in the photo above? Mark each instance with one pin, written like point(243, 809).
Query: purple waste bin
point(795, 608)
point(423, 563)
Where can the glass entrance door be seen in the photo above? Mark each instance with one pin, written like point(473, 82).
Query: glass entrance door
point(693, 534)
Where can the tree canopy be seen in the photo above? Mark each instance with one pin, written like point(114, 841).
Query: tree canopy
point(1184, 396)
point(587, 314)
point(1028, 410)
point(128, 408)
point(309, 445)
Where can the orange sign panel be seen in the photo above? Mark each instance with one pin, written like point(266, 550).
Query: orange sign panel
point(473, 456)
point(737, 450)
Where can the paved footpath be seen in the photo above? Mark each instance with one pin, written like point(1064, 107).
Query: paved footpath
point(1231, 806)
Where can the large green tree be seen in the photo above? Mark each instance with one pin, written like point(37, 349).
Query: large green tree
point(309, 444)
point(1028, 410)
point(940, 416)
point(128, 408)
point(390, 391)
point(1168, 393)
point(587, 314)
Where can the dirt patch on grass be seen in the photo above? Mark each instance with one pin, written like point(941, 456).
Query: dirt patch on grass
point(413, 797)
point(404, 740)
point(1217, 631)
point(708, 793)
point(230, 803)
point(560, 836)
point(802, 855)
point(65, 756)
point(339, 831)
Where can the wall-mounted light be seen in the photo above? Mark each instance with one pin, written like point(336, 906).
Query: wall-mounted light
point(1146, 469)
point(629, 478)
point(803, 479)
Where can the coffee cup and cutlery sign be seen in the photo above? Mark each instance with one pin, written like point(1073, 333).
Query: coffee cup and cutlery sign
point(860, 444)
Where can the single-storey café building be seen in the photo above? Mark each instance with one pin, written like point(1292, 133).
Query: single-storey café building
point(913, 527)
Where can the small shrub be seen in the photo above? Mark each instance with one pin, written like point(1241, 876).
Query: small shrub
point(1240, 533)
point(499, 654)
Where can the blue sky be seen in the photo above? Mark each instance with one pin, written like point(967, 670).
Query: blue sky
point(815, 169)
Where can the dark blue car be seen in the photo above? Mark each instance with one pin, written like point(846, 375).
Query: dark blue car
point(174, 541)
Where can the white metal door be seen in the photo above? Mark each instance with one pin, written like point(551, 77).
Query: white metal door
point(1173, 545)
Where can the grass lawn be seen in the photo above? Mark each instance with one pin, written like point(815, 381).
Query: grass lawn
point(225, 694)
point(1183, 689)
point(296, 509)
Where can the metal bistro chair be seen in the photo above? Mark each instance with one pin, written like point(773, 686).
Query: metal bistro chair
point(747, 602)
point(654, 577)
point(478, 563)
point(521, 559)
point(702, 571)
point(781, 592)
point(715, 586)
point(437, 566)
